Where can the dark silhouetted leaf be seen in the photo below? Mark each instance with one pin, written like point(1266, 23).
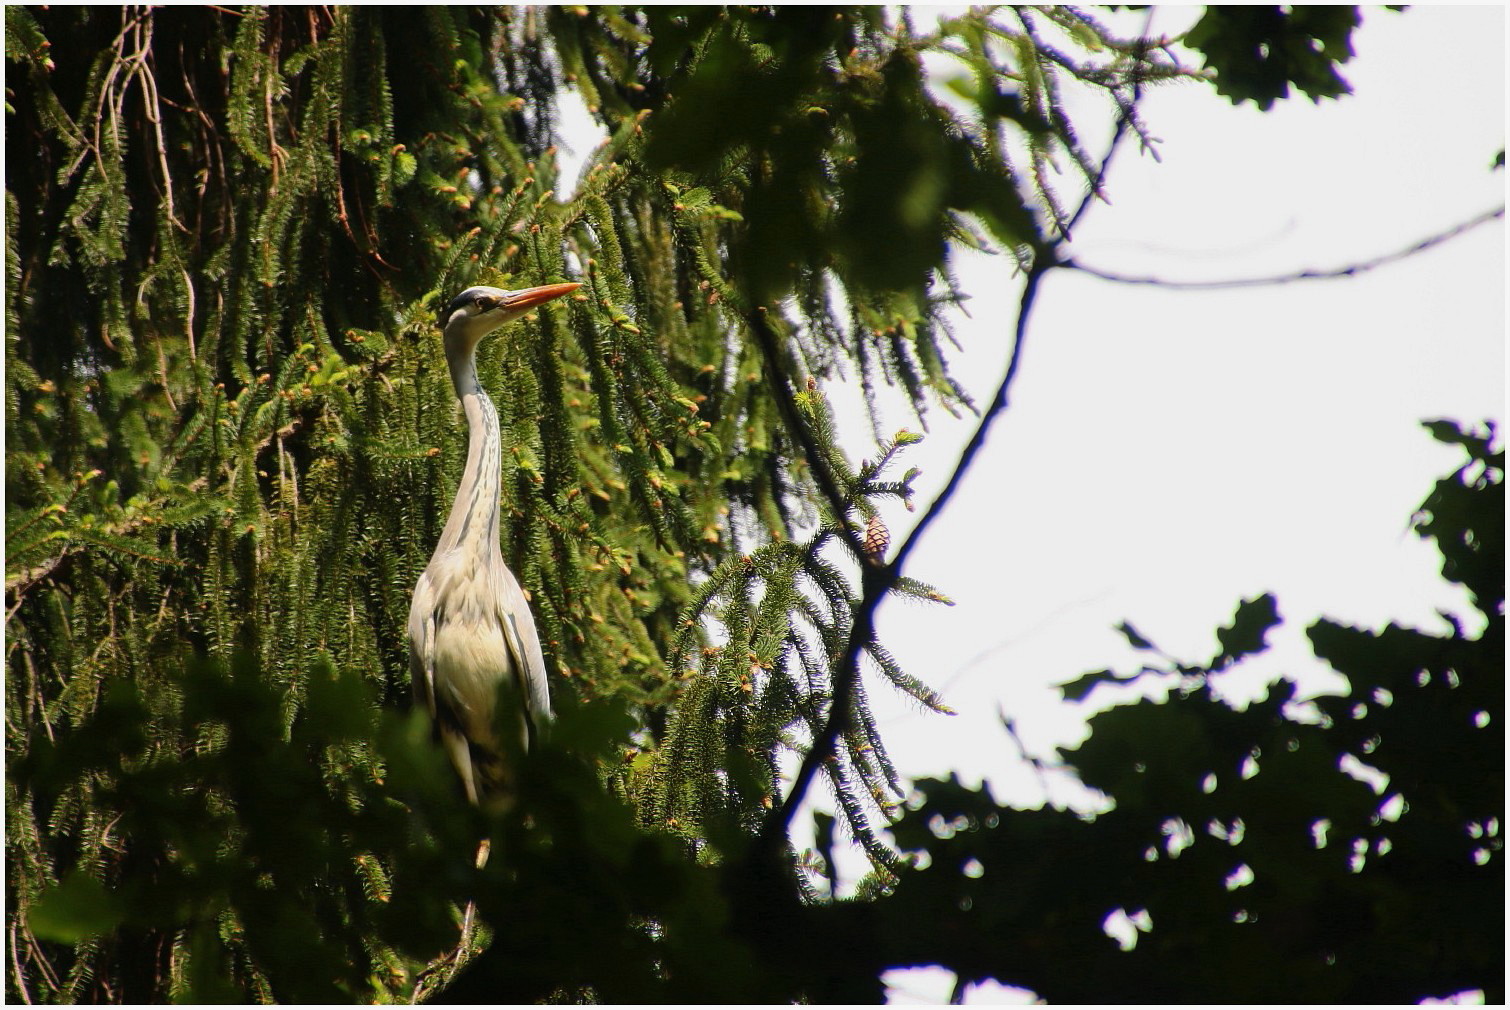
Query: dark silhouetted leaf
point(1245, 635)
point(1079, 688)
point(76, 909)
point(1259, 51)
point(1134, 639)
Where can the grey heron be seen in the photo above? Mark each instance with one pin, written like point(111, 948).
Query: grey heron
point(472, 638)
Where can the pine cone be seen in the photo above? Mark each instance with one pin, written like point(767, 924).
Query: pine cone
point(877, 539)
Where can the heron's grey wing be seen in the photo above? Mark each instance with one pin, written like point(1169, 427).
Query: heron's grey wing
point(524, 648)
point(445, 720)
point(422, 644)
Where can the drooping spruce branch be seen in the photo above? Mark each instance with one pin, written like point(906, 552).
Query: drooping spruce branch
point(879, 579)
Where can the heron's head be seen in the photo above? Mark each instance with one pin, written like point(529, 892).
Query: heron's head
point(476, 312)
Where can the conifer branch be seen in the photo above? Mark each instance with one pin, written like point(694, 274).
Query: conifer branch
point(786, 401)
point(1127, 115)
point(877, 579)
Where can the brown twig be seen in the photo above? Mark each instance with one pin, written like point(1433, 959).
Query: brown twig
point(1309, 274)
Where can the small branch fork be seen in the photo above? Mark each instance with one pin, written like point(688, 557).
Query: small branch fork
point(877, 579)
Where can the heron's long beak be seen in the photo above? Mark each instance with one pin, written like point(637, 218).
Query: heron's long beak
point(518, 301)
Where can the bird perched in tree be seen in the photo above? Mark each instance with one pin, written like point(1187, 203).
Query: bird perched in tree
point(472, 639)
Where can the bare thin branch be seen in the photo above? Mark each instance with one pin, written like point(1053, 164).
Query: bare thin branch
point(1309, 274)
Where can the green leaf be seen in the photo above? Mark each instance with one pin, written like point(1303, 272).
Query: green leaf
point(75, 910)
point(823, 839)
point(1452, 433)
point(1259, 51)
point(1079, 688)
point(1245, 635)
point(1134, 639)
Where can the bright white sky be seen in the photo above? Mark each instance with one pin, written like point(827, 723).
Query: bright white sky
point(1168, 453)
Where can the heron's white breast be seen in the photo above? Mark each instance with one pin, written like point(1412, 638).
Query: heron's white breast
point(471, 654)
point(471, 660)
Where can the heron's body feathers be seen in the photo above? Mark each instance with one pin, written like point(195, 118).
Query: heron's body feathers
point(472, 638)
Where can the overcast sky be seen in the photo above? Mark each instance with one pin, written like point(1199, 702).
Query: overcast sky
point(1168, 453)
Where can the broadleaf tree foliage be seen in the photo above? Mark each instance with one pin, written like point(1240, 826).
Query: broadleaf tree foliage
point(231, 443)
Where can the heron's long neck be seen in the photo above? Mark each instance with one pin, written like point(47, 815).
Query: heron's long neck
point(474, 515)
